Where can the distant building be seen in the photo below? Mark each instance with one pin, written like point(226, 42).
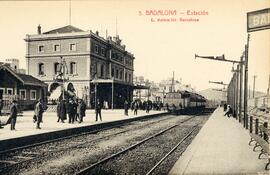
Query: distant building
point(91, 60)
point(24, 88)
point(158, 90)
point(14, 64)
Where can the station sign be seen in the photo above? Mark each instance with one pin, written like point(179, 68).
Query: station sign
point(258, 20)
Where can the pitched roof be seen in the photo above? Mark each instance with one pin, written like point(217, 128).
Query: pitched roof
point(65, 29)
point(30, 80)
point(25, 79)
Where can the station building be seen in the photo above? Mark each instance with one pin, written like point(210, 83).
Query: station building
point(99, 68)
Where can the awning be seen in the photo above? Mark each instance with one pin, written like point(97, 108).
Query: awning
point(110, 81)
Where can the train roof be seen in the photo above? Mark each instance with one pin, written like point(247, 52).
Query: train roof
point(192, 95)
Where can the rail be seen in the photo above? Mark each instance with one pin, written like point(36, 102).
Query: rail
point(92, 166)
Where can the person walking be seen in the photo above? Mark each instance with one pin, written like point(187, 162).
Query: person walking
point(98, 110)
point(39, 113)
point(126, 107)
point(13, 115)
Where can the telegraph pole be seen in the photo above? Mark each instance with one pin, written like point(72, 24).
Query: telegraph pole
point(241, 89)
point(172, 88)
point(246, 83)
point(254, 79)
point(237, 91)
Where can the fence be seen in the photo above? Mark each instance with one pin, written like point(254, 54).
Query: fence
point(262, 101)
point(7, 100)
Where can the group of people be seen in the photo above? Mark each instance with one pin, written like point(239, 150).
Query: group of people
point(38, 114)
point(145, 105)
point(74, 108)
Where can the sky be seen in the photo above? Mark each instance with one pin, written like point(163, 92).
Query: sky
point(160, 48)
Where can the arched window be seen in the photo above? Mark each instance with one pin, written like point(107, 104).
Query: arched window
point(56, 68)
point(101, 70)
point(112, 72)
point(117, 73)
point(73, 68)
point(121, 74)
point(41, 69)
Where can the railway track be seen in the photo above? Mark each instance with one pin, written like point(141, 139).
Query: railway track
point(22, 155)
point(88, 169)
point(171, 151)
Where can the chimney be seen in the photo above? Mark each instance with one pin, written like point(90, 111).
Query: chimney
point(39, 29)
point(97, 33)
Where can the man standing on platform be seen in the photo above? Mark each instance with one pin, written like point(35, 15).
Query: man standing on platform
point(39, 113)
point(61, 111)
point(136, 106)
point(13, 115)
point(72, 110)
point(126, 107)
point(82, 108)
point(98, 110)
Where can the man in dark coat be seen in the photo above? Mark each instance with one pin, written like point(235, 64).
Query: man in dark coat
point(61, 111)
point(39, 113)
point(13, 115)
point(77, 110)
point(98, 110)
point(81, 110)
point(126, 106)
point(136, 106)
point(147, 106)
point(72, 110)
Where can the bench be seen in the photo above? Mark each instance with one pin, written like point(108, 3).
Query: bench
point(262, 140)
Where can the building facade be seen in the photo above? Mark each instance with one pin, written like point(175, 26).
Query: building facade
point(99, 68)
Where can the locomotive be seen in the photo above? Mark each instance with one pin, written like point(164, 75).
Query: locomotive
point(184, 100)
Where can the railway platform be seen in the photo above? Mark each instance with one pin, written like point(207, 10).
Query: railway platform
point(221, 147)
point(26, 128)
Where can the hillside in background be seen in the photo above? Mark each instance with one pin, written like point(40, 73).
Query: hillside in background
point(214, 95)
point(211, 94)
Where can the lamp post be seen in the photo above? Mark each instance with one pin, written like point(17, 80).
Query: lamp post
point(63, 78)
point(112, 91)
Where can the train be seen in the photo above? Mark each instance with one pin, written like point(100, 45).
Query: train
point(184, 100)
